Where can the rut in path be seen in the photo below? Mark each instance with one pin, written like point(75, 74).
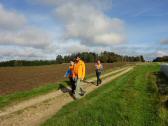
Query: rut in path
point(35, 111)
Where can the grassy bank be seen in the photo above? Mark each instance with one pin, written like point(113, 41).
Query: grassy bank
point(162, 82)
point(131, 100)
point(23, 95)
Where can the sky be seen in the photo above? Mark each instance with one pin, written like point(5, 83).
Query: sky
point(43, 29)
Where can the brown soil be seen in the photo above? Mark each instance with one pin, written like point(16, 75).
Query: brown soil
point(13, 79)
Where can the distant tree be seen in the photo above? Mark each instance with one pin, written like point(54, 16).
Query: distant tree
point(59, 59)
point(161, 59)
point(103, 57)
point(142, 59)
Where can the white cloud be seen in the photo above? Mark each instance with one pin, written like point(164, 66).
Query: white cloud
point(108, 39)
point(161, 53)
point(15, 31)
point(164, 41)
point(100, 4)
point(29, 37)
point(19, 53)
point(84, 27)
point(89, 25)
point(74, 48)
point(10, 20)
point(87, 22)
point(24, 53)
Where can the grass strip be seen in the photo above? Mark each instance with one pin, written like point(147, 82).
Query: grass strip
point(131, 100)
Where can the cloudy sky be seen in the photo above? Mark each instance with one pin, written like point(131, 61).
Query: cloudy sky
point(42, 29)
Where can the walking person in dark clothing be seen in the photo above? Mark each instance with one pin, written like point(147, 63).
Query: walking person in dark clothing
point(99, 68)
point(70, 74)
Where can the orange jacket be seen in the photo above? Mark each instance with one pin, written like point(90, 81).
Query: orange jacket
point(79, 69)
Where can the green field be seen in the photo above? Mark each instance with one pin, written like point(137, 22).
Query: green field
point(131, 100)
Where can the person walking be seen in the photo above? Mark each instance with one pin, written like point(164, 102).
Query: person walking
point(70, 74)
point(99, 68)
point(79, 70)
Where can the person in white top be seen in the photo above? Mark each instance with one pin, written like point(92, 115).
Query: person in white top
point(99, 68)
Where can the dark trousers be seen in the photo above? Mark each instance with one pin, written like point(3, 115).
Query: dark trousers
point(73, 87)
point(98, 74)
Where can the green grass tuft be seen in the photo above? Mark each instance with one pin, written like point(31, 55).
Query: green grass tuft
point(18, 96)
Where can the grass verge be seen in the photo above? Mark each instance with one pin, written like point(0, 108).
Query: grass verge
point(18, 96)
point(131, 100)
point(162, 83)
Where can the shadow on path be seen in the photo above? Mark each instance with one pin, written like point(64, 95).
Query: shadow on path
point(89, 82)
point(64, 89)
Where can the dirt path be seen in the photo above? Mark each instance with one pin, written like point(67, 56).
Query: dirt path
point(35, 111)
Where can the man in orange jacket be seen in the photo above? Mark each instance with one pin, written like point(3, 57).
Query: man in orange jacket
point(79, 71)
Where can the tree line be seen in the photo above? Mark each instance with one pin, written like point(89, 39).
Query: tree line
point(88, 57)
point(13, 63)
point(105, 57)
point(161, 59)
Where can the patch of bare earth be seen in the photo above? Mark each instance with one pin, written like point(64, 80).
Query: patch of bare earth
point(14, 79)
